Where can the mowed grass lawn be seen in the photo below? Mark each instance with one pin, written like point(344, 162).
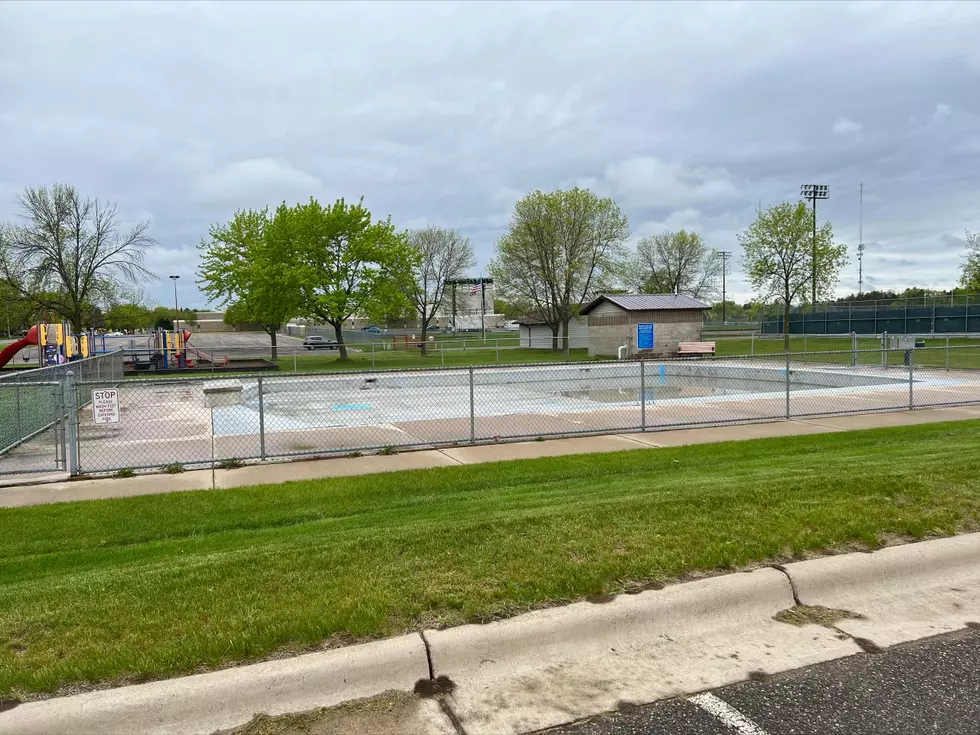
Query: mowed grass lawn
point(139, 588)
point(454, 356)
point(965, 355)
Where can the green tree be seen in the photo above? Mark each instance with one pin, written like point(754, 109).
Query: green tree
point(128, 317)
point(249, 264)
point(561, 249)
point(19, 314)
point(390, 306)
point(970, 278)
point(68, 254)
point(162, 317)
point(733, 312)
point(677, 262)
point(347, 264)
point(442, 255)
point(778, 257)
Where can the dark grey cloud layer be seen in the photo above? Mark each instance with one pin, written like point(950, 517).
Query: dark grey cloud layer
point(689, 115)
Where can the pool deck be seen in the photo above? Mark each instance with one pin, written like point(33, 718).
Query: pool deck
point(55, 488)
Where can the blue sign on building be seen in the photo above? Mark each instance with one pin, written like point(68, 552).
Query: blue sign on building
point(644, 336)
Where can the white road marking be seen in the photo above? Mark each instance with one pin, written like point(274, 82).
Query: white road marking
point(729, 716)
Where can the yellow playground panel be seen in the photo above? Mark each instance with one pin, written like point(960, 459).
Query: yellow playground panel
point(57, 344)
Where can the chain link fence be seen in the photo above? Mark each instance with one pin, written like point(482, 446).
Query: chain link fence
point(200, 421)
point(34, 411)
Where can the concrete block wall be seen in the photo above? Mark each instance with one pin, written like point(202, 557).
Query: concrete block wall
point(605, 340)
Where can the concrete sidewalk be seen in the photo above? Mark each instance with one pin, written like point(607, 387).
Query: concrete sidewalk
point(57, 488)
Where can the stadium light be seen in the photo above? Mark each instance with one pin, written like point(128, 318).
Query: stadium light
point(813, 192)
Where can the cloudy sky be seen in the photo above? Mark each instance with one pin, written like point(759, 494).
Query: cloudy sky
point(688, 115)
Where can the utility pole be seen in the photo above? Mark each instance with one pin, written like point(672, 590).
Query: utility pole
point(483, 309)
point(724, 255)
point(861, 240)
point(176, 310)
point(813, 192)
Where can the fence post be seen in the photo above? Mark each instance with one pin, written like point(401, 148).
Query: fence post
point(854, 349)
point(753, 343)
point(212, 362)
point(98, 369)
point(295, 368)
point(442, 353)
point(787, 385)
point(56, 393)
point(884, 349)
point(71, 410)
point(911, 354)
point(472, 410)
point(261, 421)
point(947, 352)
point(372, 354)
point(804, 341)
point(643, 396)
point(20, 427)
point(498, 349)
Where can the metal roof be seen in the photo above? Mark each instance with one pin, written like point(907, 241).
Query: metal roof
point(649, 302)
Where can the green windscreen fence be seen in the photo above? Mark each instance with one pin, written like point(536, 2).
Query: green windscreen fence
point(918, 320)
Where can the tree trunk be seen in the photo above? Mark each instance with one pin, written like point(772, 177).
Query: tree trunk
point(786, 325)
point(424, 344)
point(555, 341)
point(275, 348)
point(568, 342)
point(338, 329)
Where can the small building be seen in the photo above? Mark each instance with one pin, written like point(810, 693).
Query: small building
point(647, 324)
point(535, 333)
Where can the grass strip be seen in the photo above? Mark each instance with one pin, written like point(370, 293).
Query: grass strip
point(147, 587)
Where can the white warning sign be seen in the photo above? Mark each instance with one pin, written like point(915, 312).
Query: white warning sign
point(105, 406)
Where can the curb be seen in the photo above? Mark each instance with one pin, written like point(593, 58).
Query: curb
point(557, 665)
point(554, 666)
point(903, 592)
point(224, 699)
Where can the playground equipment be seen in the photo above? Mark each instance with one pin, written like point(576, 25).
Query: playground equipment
point(56, 344)
point(166, 350)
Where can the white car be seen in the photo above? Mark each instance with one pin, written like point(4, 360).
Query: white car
point(512, 327)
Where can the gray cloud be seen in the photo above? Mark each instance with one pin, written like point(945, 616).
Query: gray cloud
point(689, 115)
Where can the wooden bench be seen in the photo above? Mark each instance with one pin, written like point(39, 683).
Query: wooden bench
point(687, 349)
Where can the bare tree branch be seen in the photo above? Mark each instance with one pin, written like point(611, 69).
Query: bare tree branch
point(444, 255)
point(68, 254)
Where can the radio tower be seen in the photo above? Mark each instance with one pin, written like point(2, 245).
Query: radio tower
point(861, 240)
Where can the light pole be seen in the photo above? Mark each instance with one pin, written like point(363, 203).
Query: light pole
point(724, 255)
point(813, 192)
point(176, 310)
point(861, 239)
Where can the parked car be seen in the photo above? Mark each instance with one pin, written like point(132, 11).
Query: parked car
point(114, 334)
point(372, 330)
point(512, 327)
point(317, 342)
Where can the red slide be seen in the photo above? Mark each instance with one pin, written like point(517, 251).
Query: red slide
point(12, 349)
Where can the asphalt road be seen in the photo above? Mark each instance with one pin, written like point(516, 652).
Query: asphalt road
point(930, 686)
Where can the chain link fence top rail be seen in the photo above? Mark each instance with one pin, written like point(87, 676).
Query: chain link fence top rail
point(197, 421)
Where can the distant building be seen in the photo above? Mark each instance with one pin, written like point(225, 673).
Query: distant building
point(466, 300)
point(649, 324)
point(535, 333)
